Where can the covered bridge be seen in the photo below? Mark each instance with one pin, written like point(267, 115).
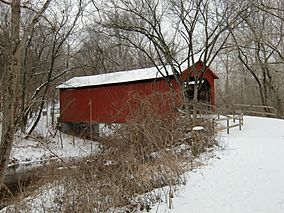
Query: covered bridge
point(98, 98)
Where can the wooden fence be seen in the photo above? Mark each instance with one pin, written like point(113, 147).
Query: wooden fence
point(234, 113)
point(234, 117)
point(258, 110)
point(237, 112)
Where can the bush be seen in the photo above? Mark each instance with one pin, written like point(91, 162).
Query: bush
point(152, 150)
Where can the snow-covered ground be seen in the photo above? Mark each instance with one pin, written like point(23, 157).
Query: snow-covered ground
point(45, 145)
point(35, 151)
point(247, 177)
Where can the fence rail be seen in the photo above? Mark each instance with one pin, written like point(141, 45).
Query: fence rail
point(239, 117)
point(252, 109)
point(235, 112)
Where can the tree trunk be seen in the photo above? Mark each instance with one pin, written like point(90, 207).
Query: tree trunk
point(276, 101)
point(10, 88)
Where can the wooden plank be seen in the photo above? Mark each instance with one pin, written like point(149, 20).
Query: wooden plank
point(223, 119)
point(238, 118)
point(229, 117)
point(220, 129)
point(263, 107)
point(230, 127)
point(252, 105)
point(234, 125)
point(260, 113)
point(242, 105)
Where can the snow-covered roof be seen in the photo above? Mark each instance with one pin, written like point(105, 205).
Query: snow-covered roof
point(115, 77)
point(121, 77)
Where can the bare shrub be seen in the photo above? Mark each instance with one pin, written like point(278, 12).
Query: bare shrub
point(152, 150)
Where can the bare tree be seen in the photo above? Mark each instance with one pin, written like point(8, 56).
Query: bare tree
point(11, 80)
point(104, 53)
point(178, 32)
point(259, 44)
point(61, 31)
point(4, 43)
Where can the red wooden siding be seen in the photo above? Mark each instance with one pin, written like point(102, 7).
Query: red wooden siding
point(106, 103)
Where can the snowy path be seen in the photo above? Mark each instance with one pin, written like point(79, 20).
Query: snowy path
point(248, 177)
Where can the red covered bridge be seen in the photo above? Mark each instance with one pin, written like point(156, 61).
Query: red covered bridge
point(98, 98)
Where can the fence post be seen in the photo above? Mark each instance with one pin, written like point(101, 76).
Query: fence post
point(234, 119)
point(240, 123)
point(228, 124)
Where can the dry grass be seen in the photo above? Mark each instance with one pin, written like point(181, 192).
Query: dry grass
point(152, 150)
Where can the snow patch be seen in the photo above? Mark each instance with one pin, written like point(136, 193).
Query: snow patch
point(198, 128)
